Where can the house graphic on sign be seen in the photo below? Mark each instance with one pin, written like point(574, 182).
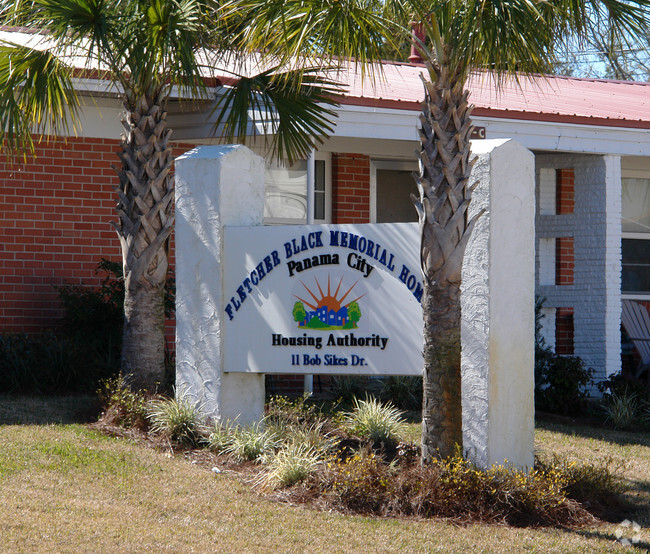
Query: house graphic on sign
point(316, 308)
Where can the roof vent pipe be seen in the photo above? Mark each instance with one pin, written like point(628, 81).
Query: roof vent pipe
point(417, 36)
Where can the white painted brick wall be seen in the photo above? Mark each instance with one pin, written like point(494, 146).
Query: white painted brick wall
point(595, 227)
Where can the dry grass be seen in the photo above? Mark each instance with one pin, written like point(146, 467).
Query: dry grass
point(69, 488)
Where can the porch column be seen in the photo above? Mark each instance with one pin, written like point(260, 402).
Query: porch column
point(588, 284)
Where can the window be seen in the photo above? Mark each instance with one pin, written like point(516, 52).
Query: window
point(636, 236)
point(285, 191)
point(320, 190)
point(391, 185)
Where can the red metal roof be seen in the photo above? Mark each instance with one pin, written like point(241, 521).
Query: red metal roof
point(549, 98)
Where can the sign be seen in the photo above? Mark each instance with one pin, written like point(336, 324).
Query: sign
point(339, 299)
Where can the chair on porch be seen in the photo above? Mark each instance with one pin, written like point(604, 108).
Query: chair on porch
point(636, 321)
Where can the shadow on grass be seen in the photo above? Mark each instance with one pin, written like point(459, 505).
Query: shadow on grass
point(626, 533)
point(37, 410)
point(575, 427)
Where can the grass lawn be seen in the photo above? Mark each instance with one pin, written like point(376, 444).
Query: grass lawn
point(65, 488)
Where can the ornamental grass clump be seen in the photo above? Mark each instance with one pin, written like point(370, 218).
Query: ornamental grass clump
point(179, 419)
point(254, 443)
point(623, 410)
point(290, 465)
point(221, 436)
point(370, 419)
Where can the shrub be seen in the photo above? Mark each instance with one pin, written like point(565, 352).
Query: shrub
point(560, 381)
point(450, 488)
point(93, 318)
point(358, 483)
point(281, 410)
point(42, 364)
point(624, 384)
point(93, 321)
point(375, 421)
point(594, 484)
point(121, 405)
point(179, 419)
point(347, 388)
point(404, 392)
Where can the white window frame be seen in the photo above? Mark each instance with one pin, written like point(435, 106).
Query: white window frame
point(633, 174)
point(327, 158)
point(397, 165)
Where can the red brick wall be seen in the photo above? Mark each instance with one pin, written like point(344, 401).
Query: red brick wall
point(55, 214)
point(564, 331)
point(564, 261)
point(565, 195)
point(350, 188)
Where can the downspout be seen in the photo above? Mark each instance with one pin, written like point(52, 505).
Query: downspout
point(308, 386)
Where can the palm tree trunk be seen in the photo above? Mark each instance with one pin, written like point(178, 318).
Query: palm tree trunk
point(145, 207)
point(143, 338)
point(444, 227)
point(441, 407)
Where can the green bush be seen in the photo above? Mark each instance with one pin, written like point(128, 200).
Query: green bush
point(121, 405)
point(561, 382)
point(404, 392)
point(623, 385)
point(93, 322)
point(346, 388)
point(93, 318)
point(43, 364)
point(449, 488)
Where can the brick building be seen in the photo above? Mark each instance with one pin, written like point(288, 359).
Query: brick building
point(591, 140)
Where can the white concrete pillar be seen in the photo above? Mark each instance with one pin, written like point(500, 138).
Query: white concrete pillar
point(498, 321)
point(215, 186)
point(613, 264)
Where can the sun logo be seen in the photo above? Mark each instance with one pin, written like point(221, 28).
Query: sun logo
point(328, 309)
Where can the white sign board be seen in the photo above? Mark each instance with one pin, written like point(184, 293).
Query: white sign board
point(339, 299)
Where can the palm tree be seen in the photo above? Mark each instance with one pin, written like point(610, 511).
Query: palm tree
point(149, 49)
point(498, 38)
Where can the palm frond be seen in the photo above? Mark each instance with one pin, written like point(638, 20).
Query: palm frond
point(292, 107)
point(323, 31)
point(71, 24)
point(36, 95)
